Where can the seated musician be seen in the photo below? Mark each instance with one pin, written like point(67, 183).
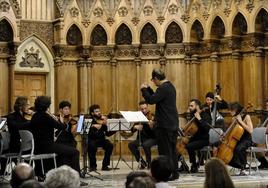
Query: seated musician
point(42, 125)
point(239, 159)
point(146, 136)
point(96, 138)
point(221, 104)
point(201, 138)
point(67, 135)
point(17, 121)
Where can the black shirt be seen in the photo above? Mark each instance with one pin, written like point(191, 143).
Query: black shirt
point(16, 122)
point(166, 114)
point(66, 136)
point(97, 134)
point(203, 126)
point(145, 133)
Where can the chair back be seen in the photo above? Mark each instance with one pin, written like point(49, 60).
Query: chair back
point(259, 135)
point(5, 140)
point(27, 141)
point(214, 135)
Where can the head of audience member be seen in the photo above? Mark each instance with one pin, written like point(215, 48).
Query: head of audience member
point(62, 177)
point(142, 182)
point(21, 173)
point(42, 103)
point(158, 76)
point(235, 108)
point(161, 169)
point(216, 175)
point(22, 105)
point(65, 108)
point(32, 184)
point(94, 111)
point(194, 105)
point(132, 175)
point(209, 98)
point(144, 107)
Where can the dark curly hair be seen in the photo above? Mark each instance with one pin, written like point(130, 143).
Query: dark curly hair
point(20, 103)
point(93, 107)
point(42, 103)
point(64, 104)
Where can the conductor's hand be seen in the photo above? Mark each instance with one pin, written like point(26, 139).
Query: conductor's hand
point(138, 127)
point(97, 126)
point(144, 86)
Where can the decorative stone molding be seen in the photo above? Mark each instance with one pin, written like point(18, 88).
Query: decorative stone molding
point(160, 19)
point(98, 12)
point(250, 6)
point(227, 11)
point(85, 22)
point(74, 12)
point(4, 6)
point(110, 21)
point(205, 15)
point(185, 17)
point(196, 7)
point(173, 9)
point(122, 11)
point(148, 10)
point(135, 20)
point(16, 7)
point(31, 59)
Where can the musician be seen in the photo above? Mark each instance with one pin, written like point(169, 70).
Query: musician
point(239, 159)
point(145, 135)
point(201, 138)
point(16, 121)
point(96, 138)
point(42, 125)
point(221, 104)
point(166, 116)
point(67, 135)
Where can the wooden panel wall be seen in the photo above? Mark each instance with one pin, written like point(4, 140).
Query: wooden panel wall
point(4, 93)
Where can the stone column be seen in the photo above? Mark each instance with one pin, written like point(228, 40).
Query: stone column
point(113, 62)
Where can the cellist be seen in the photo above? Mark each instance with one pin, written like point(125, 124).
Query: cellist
point(201, 138)
point(239, 159)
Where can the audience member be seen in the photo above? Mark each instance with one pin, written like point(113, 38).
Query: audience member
point(21, 173)
point(32, 184)
point(63, 176)
point(132, 175)
point(216, 175)
point(142, 182)
point(161, 171)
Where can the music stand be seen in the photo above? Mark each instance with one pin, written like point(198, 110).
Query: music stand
point(2, 123)
point(135, 117)
point(119, 125)
point(83, 127)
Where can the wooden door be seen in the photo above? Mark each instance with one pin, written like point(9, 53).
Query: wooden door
point(29, 85)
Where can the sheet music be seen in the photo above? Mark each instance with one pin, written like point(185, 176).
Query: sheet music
point(118, 125)
point(134, 116)
point(80, 124)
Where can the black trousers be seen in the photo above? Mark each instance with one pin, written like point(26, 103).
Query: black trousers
point(66, 155)
point(193, 146)
point(92, 150)
point(146, 145)
point(166, 142)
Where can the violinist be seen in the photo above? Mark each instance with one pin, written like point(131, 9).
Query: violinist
point(239, 159)
point(67, 135)
point(201, 138)
point(145, 137)
point(43, 124)
point(96, 138)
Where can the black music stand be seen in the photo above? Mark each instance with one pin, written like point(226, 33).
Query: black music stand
point(82, 129)
point(119, 125)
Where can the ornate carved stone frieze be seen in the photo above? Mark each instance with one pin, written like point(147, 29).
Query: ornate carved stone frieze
point(250, 6)
point(98, 36)
point(85, 51)
point(150, 52)
point(185, 17)
point(58, 50)
point(71, 52)
point(122, 11)
point(196, 6)
point(98, 12)
point(148, 34)
point(174, 51)
point(135, 20)
point(190, 48)
point(44, 30)
point(148, 10)
point(205, 15)
point(252, 41)
point(160, 19)
point(4, 51)
point(123, 35)
point(227, 11)
point(31, 59)
point(173, 9)
point(102, 53)
point(85, 22)
point(6, 31)
point(74, 12)
point(231, 44)
point(4, 6)
point(16, 8)
point(110, 21)
point(61, 7)
point(125, 53)
point(216, 4)
point(173, 33)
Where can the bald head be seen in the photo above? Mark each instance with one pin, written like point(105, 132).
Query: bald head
point(21, 173)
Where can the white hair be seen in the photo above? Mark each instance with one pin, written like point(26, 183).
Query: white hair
point(62, 177)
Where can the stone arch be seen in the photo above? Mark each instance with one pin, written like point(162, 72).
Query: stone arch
point(261, 21)
point(173, 33)
point(148, 34)
point(74, 36)
point(44, 62)
point(123, 35)
point(98, 36)
point(6, 31)
point(239, 25)
point(197, 32)
point(217, 30)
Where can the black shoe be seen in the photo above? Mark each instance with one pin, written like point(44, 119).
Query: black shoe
point(106, 168)
point(174, 176)
point(194, 169)
point(184, 168)
point(83, 183)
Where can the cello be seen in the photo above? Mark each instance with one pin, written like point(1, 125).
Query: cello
point(230, 139)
